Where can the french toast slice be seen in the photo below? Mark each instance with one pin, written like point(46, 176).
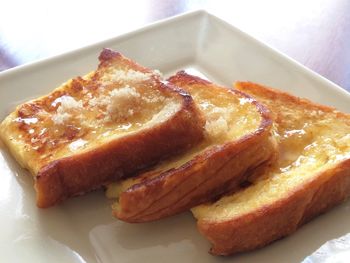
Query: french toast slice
point(99, 128)
point(237, 139)
point(310, 176)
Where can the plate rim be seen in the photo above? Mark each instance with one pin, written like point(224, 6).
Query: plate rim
point(280, 55)
point(200, 13)
point(197, 14)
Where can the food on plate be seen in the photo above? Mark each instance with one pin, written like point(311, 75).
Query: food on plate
point(238, 139)
point(253, 163)
point(99, 128)
point(310, 176)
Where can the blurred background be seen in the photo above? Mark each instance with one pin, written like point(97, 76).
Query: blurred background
point(315, 32)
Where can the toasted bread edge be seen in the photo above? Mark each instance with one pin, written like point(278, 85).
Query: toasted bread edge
point(120, 158)
point(255, 148)
point(269, 223)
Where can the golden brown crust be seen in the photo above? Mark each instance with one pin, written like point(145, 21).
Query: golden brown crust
point(119, 158)
point(263, 226)
point(108, 57)
point(215, 171)
point(116, 160)
point(274, 94)
point(284, 216)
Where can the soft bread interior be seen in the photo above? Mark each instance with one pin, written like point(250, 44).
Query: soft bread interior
point(312, 139)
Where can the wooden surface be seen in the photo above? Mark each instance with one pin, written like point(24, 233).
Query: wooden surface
point(315, 32)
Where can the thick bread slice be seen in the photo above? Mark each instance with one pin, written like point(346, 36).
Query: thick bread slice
point(311, 175)
point(238, 138)
point(96, 129)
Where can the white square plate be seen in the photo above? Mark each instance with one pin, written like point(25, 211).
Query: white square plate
point(82, 229)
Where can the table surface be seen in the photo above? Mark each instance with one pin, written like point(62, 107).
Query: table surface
point(316, 32)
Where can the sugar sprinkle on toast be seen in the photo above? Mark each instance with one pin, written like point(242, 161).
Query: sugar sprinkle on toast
point(99, 128)
point(237, 138)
